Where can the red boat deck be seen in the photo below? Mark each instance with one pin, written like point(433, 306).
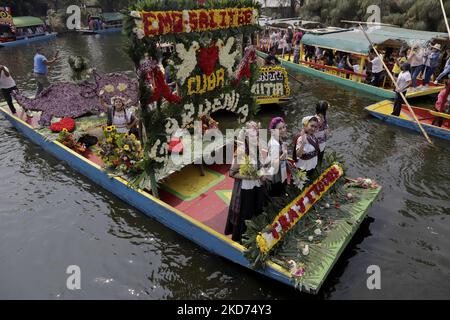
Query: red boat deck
point(209, 206)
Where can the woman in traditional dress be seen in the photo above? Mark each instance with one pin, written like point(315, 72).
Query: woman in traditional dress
point(277, 157)
point(323, 130)
point(248, 197)
point(306, 146)
point(120, 116)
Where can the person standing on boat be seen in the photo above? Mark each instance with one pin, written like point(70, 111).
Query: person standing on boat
point(442, 104)
point(400, 58)
point(377, 68)
point(432, 61)
point(271, 59)
point(322, 132)
point(297, 52)
point(248, 197)
point(41, 65)
point(120, 116)
point(307, 147)
point(277, 157)
point(446, 70)
point(7, 85)
point(404, 81)
point(415, 58)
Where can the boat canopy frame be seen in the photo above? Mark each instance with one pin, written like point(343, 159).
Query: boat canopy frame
point(354, 41)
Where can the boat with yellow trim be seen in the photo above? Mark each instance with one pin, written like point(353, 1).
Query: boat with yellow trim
point(429, 119)
point(353, 43)
point(193, 201)
point(23, 30)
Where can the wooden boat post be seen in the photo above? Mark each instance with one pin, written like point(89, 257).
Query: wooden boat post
point(396, 86)
point(445, 18)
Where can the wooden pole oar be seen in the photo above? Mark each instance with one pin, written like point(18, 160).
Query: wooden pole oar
point(396, 86)
point(445, 18)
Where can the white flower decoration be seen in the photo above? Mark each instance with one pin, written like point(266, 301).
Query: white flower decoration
point(109, 88)
point(140, 34)
point(135, 14)
point(318, 232)
point(305, 250)
point(139, 23)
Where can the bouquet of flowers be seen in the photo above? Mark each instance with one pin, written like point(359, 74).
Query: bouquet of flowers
point(299, 178)
point(67, 139)
point(363, 183)
point(121, 152)
point(247, 169)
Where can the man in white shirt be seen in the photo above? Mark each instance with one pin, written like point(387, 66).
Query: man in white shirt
point(7, 85)
point(404, 81)
point(377, 68)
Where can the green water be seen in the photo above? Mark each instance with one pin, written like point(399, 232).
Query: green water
point(51, 217)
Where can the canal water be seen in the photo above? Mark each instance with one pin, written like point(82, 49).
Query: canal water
point(51, 217)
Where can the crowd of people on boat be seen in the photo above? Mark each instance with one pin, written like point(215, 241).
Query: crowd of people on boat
point(425, 63)
point(96, 23)
point(254, 188)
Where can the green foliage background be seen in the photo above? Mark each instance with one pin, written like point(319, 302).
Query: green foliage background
point(411, 14)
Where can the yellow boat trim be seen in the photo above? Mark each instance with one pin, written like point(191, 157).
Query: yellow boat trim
point(385, 107)
point(236, 245)
point(415, 94)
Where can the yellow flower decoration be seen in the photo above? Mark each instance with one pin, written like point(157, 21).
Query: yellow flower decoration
point(122, 87)
point(108, 129)
point(262, 244)
point(109, 88)
point(117, 150)
point(133, 137)
point(113, 128)
point(126, 147)
point(109, 140)
point(126, 136)
point(65, 130)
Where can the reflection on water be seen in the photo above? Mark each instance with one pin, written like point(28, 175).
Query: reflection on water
point(52, 218)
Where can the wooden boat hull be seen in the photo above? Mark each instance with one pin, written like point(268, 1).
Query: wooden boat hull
point(268, 101)
point(388, 94)
point(181, 222)
point(383, 110)
point(103, 31)
point(46, 37)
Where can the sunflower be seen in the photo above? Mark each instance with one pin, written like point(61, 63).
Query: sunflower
point(126, 147)
point(133, 137)
point(108, 129)
point(113, 128)
point(109, 140)
point(65, 130)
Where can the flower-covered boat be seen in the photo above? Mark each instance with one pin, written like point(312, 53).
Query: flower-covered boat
point(297, 239)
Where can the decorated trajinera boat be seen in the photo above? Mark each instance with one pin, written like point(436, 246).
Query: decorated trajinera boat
point(105, 23)
point(15, 31)
point(353, 43)
point(435, 123)
point(186, 186)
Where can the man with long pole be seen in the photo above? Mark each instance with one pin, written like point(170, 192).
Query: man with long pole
point(398, 90)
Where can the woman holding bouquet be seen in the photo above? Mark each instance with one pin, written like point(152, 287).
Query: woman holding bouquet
point(277, 157)
point(307, 147)
point(248, 196)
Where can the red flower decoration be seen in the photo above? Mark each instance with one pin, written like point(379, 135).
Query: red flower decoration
point(66, 123)
point(207, 59)
point(275, 234)
point(292, 215)
point(284, 223)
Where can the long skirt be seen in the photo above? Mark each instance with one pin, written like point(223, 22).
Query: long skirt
point(251, 205)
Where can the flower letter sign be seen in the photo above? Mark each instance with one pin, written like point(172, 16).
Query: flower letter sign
point(290, 215)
